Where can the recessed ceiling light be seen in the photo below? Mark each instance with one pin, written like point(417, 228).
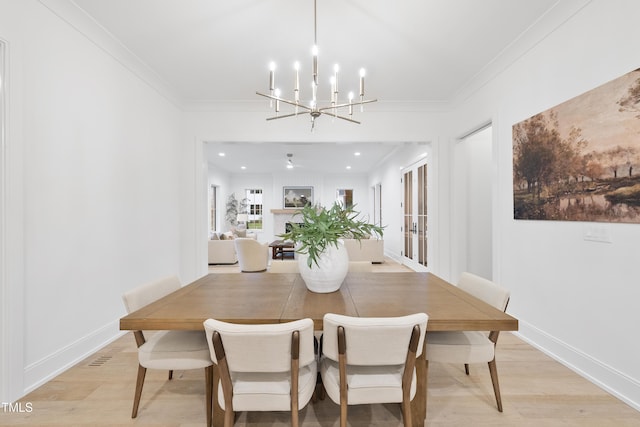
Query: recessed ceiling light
point(348, 167)
point(221, 154)
point(357, 153)
point(243, 167)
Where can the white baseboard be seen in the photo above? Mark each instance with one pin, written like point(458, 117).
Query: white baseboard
point(609, 379)
point(38, 373)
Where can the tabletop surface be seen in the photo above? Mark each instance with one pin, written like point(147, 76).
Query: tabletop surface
point(281, 243)
point(274, 297)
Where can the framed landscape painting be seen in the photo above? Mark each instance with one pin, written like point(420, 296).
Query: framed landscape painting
point(297, 197)
point(580, 160)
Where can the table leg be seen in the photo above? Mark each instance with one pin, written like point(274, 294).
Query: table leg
point(419, 402)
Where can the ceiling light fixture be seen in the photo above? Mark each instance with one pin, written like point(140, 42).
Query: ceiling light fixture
point(313, 109)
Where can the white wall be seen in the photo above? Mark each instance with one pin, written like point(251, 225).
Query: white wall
point(385, 123)
point(574, 298)
point(96, 149)
point(356, 182)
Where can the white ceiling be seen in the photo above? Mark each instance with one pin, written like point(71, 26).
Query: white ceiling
point(413, 50)
point(306, 157)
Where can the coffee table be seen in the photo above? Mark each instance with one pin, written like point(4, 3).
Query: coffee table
point(281, 248)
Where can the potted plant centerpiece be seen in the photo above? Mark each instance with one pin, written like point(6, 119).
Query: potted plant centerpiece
point(323, 260)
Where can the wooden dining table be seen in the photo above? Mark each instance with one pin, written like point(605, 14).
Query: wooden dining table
point(281, 297)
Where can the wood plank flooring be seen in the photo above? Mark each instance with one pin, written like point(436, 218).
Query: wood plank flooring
point(536, 391)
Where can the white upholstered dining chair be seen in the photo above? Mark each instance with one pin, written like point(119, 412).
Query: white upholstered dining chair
point(467, 347)
point(167, 350)
point(265, 367)
point(371, 360)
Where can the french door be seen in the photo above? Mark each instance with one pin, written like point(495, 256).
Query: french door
point(414, 205)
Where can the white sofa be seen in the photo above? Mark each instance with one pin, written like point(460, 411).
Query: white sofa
point(371, 250)
point(222, 250)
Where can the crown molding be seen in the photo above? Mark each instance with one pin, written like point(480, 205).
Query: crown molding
point(554, 18)
point(78, 19)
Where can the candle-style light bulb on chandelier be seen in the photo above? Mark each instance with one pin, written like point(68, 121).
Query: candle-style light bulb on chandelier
point(313, 108)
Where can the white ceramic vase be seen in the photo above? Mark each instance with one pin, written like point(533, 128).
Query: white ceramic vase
point(328, 275)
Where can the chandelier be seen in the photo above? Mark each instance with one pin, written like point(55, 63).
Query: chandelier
point(313, 109)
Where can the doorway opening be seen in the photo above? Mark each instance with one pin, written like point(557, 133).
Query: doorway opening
point(473, 203)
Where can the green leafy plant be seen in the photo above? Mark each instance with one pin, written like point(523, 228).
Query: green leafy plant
point(320, 227)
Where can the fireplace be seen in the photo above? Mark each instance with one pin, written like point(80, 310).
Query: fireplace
point(281, 217)
point(288, 227)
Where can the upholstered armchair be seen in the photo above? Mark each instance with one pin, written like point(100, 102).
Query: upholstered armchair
point(252, 255)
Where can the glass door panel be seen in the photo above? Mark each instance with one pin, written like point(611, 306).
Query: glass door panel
point(415, 202)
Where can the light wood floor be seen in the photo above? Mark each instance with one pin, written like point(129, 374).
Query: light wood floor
point(536, 391)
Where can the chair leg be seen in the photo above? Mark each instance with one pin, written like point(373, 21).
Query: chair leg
point(426, 387)
point(466, 368)
point(139, 383)
point(208, 375)
point(493, 370)
point(343, 414)
point(229, 417)
point(406, 413)
point(170, 374)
